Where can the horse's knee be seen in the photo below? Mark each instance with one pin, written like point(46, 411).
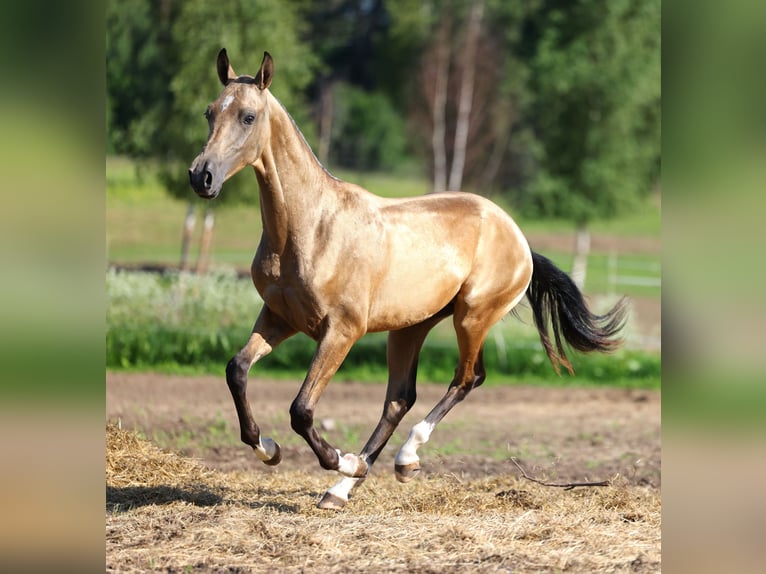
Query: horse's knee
point(301, 416)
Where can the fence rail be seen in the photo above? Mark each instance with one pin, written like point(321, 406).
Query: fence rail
point(648, 273)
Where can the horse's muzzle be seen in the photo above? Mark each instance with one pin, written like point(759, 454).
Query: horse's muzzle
point(201, 180)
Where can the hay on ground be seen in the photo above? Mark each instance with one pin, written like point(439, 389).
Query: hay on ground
point(168, 513)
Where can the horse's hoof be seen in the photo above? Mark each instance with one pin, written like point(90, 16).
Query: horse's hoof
point(274, 460)
point(331, 502)
point(269, 452)
point(406, 472)
point(352, 466)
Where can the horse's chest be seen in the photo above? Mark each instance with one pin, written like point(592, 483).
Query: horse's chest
point(286, 293)
point(266, 271)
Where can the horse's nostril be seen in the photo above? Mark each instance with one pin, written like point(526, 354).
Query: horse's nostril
point(208, 182)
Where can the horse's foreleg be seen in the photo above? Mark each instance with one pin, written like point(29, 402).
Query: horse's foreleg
point(402, 355)
point(268, 332)
point(332, 349)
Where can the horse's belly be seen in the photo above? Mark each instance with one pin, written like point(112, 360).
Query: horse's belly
point(412, 295)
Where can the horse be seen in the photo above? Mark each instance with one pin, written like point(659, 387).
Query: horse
point(336, 261)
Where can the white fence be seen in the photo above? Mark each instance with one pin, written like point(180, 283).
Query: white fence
point(633, 273)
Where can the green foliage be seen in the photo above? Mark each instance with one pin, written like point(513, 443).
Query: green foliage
point(138, 71)
point(368, 134)
point(595, 80)
point(202, 321)
point(180, 318)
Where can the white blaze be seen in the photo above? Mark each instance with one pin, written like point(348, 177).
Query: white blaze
point(226, 102)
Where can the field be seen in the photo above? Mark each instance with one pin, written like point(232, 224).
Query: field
point(204, 503)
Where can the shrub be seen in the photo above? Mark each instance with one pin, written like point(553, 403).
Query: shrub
point(367, 134)
point(202, 321)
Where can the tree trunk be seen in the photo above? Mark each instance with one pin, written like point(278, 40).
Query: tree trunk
point(465, 102)
point(439, 110)
point(495, 158)
point(205, 242)
point(581, 253)
point(187, 236)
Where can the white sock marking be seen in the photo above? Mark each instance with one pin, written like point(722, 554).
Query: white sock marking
point(419, 435)
point(343, 487)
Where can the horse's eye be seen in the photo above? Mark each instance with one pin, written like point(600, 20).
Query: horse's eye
point(248, 119)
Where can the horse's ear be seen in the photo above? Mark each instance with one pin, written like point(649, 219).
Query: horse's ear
point(266, 73)
point(225, 71)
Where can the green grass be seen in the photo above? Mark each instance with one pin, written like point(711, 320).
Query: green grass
point(145, 224)
point(645, 221)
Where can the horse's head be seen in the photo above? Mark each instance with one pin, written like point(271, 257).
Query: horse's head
point(239, 127)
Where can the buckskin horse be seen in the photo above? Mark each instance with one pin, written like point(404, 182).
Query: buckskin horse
point(336, 261)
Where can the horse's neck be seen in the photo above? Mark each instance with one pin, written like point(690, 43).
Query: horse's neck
point(293, 184)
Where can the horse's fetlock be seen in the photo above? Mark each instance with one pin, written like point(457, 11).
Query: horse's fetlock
point(250, 437)
point(328, 465)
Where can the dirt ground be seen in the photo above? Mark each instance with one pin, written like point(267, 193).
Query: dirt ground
point(558, 434)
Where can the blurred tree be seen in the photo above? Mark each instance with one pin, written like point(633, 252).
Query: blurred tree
point(138, 72)
point(367, 132)
point(465, 100)
point(594, 111)
point(359, 126)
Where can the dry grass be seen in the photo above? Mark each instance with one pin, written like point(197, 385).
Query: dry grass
point(171, 514)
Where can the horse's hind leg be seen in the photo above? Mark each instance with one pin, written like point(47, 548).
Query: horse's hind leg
point(402, 355)
point(268, 332)
point(471, 333)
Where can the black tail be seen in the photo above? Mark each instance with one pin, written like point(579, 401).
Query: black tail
point(555, 297)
